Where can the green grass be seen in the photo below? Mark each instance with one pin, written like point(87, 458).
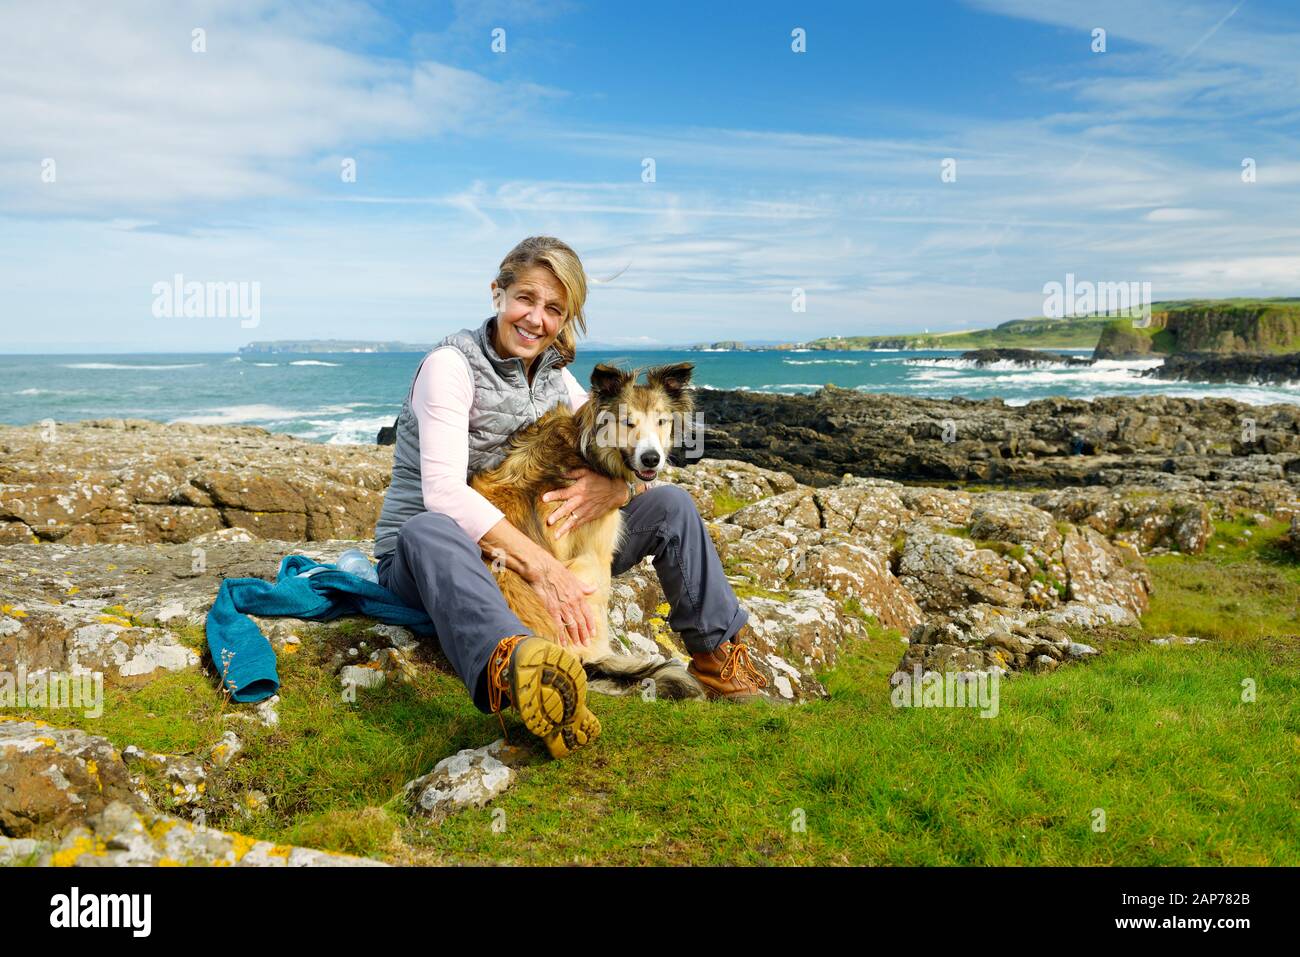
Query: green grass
point(1248, 588)
point(1158, 738)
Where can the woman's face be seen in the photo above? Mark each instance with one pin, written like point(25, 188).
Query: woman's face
point(530, 314)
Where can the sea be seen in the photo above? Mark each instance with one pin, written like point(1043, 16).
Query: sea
point(347, 397)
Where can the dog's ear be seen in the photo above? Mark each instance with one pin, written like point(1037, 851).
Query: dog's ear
point(606, 380)
point(673, 379)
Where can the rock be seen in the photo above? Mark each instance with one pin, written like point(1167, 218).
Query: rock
point(1177, 640)
point(1147, 518)
point(1099, 575)
point(121, 835)
point(226, 750)
point(134, 481)
point(362, 676)
point(51, 778)
point(18, 850)
point(185, 777)
point(1019, 358)
point(1247, 368)
point(470, 778)
point(1054, 442)
point(797, 507)
point(944, 571)
point(985, 637)
point(265, 712)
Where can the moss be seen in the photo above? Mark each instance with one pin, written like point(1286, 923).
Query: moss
point(724, 503)
point(746, 590)
point(362, 832)
point(1005, 549)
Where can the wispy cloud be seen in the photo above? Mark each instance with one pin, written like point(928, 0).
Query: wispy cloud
point(226, 164)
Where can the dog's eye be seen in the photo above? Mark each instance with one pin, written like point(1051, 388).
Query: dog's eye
point(663, 422)
point(628, 423)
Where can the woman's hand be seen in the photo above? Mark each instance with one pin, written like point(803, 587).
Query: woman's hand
point(565, 597)
point(590, 496)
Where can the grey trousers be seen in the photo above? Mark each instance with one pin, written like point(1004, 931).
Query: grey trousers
point(437, 567)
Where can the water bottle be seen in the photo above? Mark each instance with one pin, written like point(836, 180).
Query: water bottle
point(355, 563)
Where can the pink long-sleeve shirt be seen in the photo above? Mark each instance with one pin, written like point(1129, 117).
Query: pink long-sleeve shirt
point(441, 400)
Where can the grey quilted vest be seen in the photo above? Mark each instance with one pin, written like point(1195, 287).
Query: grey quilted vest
point(503, 403)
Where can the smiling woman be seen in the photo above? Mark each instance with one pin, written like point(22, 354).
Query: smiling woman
point(532, 302)
point(470, 394)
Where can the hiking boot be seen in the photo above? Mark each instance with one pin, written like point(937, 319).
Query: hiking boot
point(726, 671)
point(548, 687)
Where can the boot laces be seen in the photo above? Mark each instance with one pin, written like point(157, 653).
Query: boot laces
point(498, 666)
point(738, 663)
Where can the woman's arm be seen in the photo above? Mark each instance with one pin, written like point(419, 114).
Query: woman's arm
point(441, 400)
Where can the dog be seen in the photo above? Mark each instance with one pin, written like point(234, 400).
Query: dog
point(622, 431)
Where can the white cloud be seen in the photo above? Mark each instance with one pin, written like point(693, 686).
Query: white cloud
point(135, 120)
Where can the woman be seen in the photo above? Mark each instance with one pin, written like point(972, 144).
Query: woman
point(474, 390)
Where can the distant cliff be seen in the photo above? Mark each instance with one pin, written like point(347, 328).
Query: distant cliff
point(1074, 333)
point(1224, 327)
point(330, 345)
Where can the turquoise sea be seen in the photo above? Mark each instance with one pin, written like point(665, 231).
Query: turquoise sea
point(346, 397)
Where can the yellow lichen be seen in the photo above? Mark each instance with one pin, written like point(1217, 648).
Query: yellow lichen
point(160, 828)
point(72, 590)
point(48, 742)
point(663, 608)
point(242, 845)
point(83, 844)
point(280, 850)
point(168, 862)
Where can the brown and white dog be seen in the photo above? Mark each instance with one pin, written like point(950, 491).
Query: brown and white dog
point(623, 431)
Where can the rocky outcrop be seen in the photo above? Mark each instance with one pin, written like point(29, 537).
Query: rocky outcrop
point(136, 481)
point(1007, 580)
point(1252, 369)
point(51, 778)
point(69, 799)
point(1148, 519)
point(1048, 443)
point(1029, 358)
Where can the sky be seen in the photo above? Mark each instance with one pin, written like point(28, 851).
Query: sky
point(795, 192)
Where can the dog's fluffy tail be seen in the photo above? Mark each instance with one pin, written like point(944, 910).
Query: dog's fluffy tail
point(626, 674)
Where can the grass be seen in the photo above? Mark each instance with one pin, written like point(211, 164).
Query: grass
point(1158, 738)
point(1246, 588)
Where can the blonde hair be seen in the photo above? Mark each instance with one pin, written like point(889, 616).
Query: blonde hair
point(565, 265)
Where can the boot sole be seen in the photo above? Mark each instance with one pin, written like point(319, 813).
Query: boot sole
point(549, 688)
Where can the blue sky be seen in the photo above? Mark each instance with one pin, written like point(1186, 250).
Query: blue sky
point(775, 170)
